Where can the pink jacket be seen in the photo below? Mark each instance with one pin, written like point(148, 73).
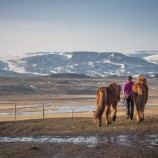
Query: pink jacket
point(128, 88)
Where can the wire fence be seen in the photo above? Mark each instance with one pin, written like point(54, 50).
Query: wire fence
point(16, 111)
point(22, 111)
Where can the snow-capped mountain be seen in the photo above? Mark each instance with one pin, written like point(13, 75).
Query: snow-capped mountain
point(142, 54)
point(88, 63)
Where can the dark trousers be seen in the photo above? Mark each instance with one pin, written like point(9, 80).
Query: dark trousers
point(129, 107)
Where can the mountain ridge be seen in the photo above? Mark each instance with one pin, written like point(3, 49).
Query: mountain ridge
point(94, 64)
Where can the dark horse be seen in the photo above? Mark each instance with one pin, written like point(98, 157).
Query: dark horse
point(107, 96)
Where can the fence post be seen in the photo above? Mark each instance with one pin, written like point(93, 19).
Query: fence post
point(15, 112)
point(72, 113)
point(43, 111)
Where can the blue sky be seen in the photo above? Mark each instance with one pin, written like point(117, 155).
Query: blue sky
point(78, 25)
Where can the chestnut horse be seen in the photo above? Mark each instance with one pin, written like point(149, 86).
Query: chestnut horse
point(107, 96)
point(140, 97)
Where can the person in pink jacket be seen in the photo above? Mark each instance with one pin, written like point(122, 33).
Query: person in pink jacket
point(129, 101)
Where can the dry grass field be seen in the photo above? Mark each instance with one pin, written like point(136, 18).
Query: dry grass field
point(70, 134)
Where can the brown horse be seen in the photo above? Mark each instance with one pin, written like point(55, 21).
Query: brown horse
point(140, 97)
point(107, 96)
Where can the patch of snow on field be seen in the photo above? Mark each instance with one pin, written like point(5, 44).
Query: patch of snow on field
point(33, 86)
point(90, 141)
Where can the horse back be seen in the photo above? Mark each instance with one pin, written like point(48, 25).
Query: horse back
point(140, 90)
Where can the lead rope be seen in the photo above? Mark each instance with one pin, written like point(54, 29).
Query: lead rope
point(122, 103)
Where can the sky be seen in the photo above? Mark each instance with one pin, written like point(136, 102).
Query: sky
point(78, 25)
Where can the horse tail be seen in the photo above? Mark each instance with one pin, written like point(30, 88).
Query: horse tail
point(145, 93)
point(134, 91)
point(101, 102)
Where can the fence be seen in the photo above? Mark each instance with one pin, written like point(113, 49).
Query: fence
point(16, 111)
point(22, 111)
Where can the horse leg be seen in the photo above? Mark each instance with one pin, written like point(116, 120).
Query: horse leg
point(137, 113)
point(114, 106)
point(141, 116)
point(142, 108)
point(138, 108)
point(100, 122)
point(142, 113)
point(107, 115)
point(138, 116)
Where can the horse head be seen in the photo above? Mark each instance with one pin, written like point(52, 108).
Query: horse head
point(141, 80)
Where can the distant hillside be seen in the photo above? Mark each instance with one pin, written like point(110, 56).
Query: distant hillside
point(73, 64)
point(142, 54)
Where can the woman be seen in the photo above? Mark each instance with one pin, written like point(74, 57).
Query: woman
point(129, 101)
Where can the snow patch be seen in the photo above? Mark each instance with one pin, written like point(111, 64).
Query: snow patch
point(153, 59)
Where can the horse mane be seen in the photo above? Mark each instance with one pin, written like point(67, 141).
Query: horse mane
point(141, 80)
point(137, 86)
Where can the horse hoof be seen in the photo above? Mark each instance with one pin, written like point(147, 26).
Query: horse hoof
point(114, 118)
point(138, 121)
point(108, 123)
